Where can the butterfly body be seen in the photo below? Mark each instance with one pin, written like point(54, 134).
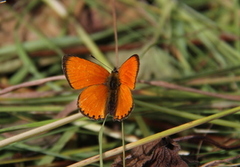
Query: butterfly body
point(113, 89)
point(105, 93)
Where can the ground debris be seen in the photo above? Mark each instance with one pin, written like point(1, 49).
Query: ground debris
point(159, 153)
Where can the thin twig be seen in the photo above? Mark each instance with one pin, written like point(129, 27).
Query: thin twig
point(182, 88)
point(115, 31)
point(217, 162)
point(31, 83)
point(207, 140)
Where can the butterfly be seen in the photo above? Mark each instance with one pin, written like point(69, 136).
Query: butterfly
point(104, 93)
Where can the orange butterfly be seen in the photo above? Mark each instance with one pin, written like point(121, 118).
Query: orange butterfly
point(105, 93)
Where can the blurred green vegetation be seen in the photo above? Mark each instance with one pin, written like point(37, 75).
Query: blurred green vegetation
point(190, 43)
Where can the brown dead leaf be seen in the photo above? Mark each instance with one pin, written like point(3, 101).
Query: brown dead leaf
point(159, 153)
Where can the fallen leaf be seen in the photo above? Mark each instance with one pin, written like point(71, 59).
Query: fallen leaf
point(159, 153)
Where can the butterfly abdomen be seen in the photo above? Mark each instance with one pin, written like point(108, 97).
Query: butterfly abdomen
point(113, 84)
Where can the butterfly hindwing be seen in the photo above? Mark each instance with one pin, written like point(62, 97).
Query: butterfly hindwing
point(81, 73)
point(92, 101)
point(124, 103)
point(128, 71)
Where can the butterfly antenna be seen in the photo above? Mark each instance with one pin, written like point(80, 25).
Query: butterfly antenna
point(115, 31)
point(99, 62)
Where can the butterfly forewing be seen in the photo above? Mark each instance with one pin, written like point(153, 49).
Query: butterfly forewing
point(81, 73)
point(92, 101)
point(128, 71)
